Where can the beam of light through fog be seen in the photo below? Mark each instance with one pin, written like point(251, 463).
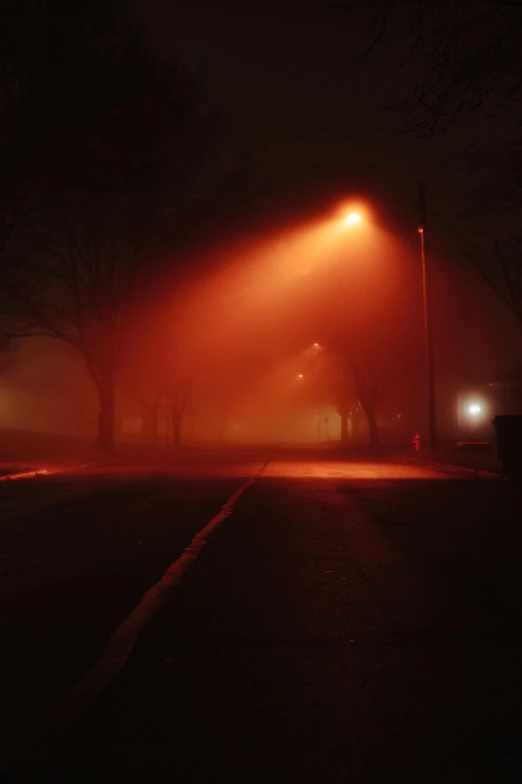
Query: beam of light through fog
point(243, 335)
point(252, 283)
point(248, 327)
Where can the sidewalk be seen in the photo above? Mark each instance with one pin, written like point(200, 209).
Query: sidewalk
point(28, 453)
point(477, 462)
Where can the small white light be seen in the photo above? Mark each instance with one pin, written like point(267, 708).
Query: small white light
point(474, 409)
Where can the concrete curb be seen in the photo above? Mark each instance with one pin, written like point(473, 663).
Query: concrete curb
point(27, 474)
point(481, 473)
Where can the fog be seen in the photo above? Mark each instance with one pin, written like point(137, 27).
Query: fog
point(270, 338)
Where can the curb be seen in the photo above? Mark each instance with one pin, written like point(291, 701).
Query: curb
point(27, 474)
point(481, 473)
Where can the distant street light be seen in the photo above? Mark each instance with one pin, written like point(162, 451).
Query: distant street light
point(471, 411)
point(300, 375)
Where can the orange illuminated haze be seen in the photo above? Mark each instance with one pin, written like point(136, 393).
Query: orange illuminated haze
point(239, 336)
point(244, 350)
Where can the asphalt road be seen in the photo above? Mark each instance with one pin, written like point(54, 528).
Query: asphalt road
point(343, 621)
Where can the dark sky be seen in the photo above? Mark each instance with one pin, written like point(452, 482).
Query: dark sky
point(288, 77)
point(289, 80)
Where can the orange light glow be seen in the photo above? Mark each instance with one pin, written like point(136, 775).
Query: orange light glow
point(352, 213)
point(300, 375)
point(28, 474)
point(352, 219)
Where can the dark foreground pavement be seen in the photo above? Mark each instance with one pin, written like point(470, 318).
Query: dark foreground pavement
point(348, 621)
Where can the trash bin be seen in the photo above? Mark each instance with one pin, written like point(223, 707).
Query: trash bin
point(508, 430)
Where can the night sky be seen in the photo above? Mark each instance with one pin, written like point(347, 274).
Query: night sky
point(287, 76)
point(317, 120)
point(318, 124)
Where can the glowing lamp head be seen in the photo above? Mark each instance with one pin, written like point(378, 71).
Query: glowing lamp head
point(352, 219)
point(474, 409)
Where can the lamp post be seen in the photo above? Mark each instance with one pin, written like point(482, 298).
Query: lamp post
point(428, 343)
point(352, 219)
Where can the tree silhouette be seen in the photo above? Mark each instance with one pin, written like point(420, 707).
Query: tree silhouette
point(471, 52)
point(370, 362)
point(117, 174)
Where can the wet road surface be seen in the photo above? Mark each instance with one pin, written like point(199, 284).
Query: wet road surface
point(344, 620)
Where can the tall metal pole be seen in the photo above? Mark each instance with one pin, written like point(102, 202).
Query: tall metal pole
point(428, 343)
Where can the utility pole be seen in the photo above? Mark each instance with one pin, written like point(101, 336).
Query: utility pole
point(428, 342)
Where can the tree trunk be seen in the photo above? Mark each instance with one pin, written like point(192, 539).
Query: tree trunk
point(178, 405)
point(357, 420)
point(176, 428)
point(106, 416)
point(344, 428)
point(373, 431)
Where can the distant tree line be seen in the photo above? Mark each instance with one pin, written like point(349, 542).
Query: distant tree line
point(109, 158)
point(111, 161)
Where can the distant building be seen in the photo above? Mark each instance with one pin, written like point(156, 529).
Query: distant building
point(506, 392)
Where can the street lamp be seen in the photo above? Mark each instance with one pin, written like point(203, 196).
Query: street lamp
point(352, 219)
point(428, 344)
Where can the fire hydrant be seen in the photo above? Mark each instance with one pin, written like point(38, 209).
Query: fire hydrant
point(416, 441)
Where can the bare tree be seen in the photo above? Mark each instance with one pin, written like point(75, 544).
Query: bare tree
point(472, 56)
point(471, 51)
point(345, 395)
point(141, 370)
point(178, 396)
point(114, 187)
point(372, 368)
